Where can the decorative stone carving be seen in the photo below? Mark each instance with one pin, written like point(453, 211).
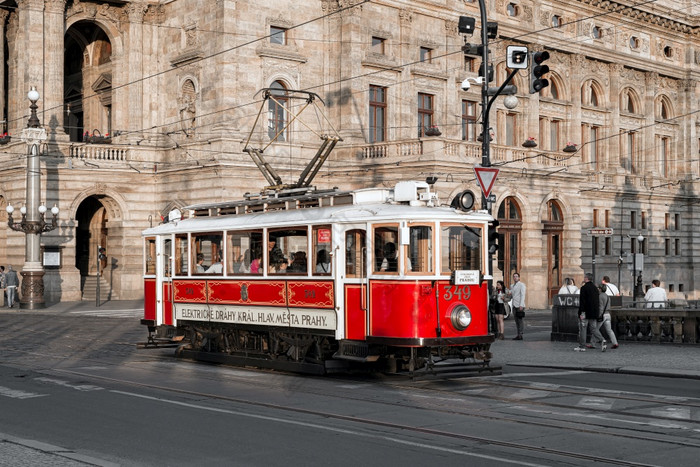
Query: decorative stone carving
point(405, 16)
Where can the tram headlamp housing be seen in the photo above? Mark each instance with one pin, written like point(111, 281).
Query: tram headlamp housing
point(461, 317)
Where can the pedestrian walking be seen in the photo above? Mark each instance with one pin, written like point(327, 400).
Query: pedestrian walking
point(2, 283)
point(604, 321)
point(11, 281)
point(610, 289)
point(517, 303)
point(588, 311)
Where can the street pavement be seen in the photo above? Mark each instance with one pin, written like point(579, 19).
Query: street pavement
point(537, 350)
point(640, 358)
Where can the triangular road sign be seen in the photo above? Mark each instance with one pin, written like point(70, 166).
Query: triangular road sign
point(486, 176)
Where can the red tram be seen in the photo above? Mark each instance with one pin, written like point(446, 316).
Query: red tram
point(317, 281)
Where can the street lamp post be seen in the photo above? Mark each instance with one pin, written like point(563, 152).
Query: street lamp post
point(33, 212)
point(638, 262)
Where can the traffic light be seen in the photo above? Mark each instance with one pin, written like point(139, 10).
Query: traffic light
point(493, 237)
point(537, 82)
point(101, 253)
point(490, 68)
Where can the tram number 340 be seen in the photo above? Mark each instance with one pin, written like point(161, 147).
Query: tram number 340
point(463, 292)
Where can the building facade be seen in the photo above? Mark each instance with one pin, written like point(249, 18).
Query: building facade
point(149, 105)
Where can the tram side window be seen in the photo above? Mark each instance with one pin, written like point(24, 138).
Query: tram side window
point(150, 256)
point(322, 250)
point(355, 253)
point(181, 258)
point(420, 249)
point(244, 252)
point(460, 248)
point(206, 253)
point(287, 251)
point(386, 249)
point(167, 256)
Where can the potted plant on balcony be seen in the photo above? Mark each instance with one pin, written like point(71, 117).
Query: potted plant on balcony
point(570, 147)
point(530, 143)
point(432, 130)
point(5, 138)
point(97, 138)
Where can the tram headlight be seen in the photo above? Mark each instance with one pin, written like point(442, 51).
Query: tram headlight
point(461, 317)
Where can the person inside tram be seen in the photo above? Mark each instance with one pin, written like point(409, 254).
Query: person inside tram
point(278, 263)
point(391, 259)
point(255, 263)
point(217, 267)
point(298, 263)
point(245, 263)
point(200, 263)
point(323, 262)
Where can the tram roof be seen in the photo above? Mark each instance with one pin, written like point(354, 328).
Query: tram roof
point(330, 206)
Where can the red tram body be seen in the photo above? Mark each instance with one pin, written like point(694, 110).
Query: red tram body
point(322, 279)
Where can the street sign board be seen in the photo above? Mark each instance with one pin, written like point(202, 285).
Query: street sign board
point(601, 232)
point(486, 176)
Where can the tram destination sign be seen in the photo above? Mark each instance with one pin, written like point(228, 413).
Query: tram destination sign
point(601, 232)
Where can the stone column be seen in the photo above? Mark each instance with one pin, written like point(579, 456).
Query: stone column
point(54, 25)
point(29, 52)
point(134, 63)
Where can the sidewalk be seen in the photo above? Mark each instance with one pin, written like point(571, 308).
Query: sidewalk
point(670, 360)
point(535, 350)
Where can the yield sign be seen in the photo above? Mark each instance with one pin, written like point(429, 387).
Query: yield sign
point(486, 176)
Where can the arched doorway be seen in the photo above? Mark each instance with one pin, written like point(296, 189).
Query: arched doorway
point(509, 229)
point(90, 233)
point(552, 229)
point(88, 73)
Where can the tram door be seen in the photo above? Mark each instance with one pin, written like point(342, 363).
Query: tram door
point(352, 267)
point(164, 303)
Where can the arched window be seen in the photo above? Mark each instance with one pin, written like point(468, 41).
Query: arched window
point(629, 102)
point(277, 113)
point(663, 108)
point(590, 94)
point(509, 229)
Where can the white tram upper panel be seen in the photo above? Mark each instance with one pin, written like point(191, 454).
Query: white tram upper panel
point(409, 201)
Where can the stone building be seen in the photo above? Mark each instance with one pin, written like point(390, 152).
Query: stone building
point(168, 92)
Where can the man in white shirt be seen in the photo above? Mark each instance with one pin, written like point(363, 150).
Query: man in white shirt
point(518, 290)
point(656, 296)
point(610, 289)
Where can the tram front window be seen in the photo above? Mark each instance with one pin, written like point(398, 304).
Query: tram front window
point(420, 249)
point(386, 249)
point(460, 248)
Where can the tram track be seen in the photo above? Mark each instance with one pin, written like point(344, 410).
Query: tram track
point(368, 422)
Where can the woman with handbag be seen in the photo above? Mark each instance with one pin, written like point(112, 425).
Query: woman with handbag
point(502, 297)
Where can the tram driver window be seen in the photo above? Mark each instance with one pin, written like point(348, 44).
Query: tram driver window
point(244, 251)
point(287, 251)
point(322, 250)
point(150, 256)
point(420, 249)
point(460, 248)
point(207, 253)
point(386, 249)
